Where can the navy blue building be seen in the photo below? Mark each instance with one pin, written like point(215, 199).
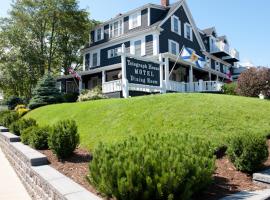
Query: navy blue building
point(155, 32)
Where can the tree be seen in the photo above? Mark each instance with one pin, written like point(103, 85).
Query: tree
point(254, 81)
point(45, 93)
point(40, 36)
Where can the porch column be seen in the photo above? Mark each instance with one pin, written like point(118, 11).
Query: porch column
point(210, 76)
point(125, 87)
point(80, 86)
point(200, 85)
point(161, 74)
point(191, 89)
point(167, 69)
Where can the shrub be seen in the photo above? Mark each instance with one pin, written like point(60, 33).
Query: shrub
point(18, 126)
point(13, 101)
point(229, 88)
point(21, 109)
point(156, 166)
point(94, 94)
point(64, 138)
point(70, 97)
point(26, 134)
point(38, 137)
point(254, 81)
point(247, 151)
point(9, 118)
point(45, 93)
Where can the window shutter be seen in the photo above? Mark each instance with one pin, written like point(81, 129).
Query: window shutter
point(139, 18)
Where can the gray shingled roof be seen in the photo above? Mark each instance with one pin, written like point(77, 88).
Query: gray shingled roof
point(209, 31)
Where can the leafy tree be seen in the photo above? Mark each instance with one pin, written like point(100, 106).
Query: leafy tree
point(40, 36)
point(45, 93)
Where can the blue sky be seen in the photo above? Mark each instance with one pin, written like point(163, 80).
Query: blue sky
point(245, 22)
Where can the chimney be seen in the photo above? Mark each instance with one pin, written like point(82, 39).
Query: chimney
point(165, 3)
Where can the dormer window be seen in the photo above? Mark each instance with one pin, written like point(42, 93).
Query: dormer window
point(173, 47)
point(116, 29)
point(135, 20)
point(188, 32)
point(176, 25)
point(99, 34)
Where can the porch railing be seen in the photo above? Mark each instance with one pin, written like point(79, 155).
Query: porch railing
point(112, 86)
point(143, 88)
point(178, 86)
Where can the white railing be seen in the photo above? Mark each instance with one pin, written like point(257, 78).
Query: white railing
point(220, 47)
point(112, 86)
point(234, 54)
point(143, 88)
point(178, 86)
point(212, 86)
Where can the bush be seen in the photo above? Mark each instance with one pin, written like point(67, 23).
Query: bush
point(26, 134)
point(254, 81)
point(21, 109)
point(247, 151)
point(18, 126)
point(94, 94)
point(38, 137)
point(45, 93)
point(156, 166)
point(64, 138)
point(229, 88)
point(70, 97)
point(13, 101)
point(9, 118)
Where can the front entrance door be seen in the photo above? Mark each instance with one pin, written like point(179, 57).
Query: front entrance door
point(94, 82)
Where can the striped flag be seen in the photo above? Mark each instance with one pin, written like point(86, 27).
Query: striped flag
point(74, 73)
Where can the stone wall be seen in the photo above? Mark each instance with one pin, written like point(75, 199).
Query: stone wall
point(41, 181)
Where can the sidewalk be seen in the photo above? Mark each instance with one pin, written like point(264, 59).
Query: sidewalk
point(11, 187)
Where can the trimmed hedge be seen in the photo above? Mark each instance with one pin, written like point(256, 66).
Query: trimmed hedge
point(38, 137)
point(26, 134)
point(229, 88)
point(18, 126)
point(156, 166)
point(8, 118)
point(64, 138)
point(247, 151)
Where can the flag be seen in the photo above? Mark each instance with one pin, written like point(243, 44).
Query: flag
point(190, 55)
point(74, 73)
point(229, 75)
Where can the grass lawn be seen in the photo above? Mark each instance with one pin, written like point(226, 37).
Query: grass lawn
point(209, 116)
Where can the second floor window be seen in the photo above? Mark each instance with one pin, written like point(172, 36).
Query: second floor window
point(176, 25)
point(87, 61)
point(95, 59)
point(217, 66)
point(99, 34)
point(112, 53)
point(188, 32)
point(116, 29)
point(173, 47)
point(135, 20)
point(138, 47)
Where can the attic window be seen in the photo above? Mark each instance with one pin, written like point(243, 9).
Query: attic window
point(99, 34)
point(135, 20)
point(116, 29)
point(188, 32)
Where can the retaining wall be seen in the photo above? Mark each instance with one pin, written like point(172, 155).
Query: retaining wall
point(41, 181)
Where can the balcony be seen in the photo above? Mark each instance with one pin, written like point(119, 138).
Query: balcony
point(220, 49)
point(233, 57)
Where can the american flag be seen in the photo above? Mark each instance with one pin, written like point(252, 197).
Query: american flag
point(74, 73)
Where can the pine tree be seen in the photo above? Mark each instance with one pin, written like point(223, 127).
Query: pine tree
point(45, 93)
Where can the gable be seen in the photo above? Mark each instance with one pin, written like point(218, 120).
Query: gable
point(167, 34)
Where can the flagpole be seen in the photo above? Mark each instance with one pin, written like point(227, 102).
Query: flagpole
point(175, 63)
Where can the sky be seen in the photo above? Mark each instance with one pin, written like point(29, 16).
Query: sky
point(246, 23)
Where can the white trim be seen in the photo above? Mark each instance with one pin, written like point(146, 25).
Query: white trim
point(120, 22)
point(179, 24)
point(155, 44)
point(216, 58)
point(98, 58)
point(102, 34)
point(135, 16)
point(177, 47)
point(186, 26)
point(143, 46)
point(149, 16)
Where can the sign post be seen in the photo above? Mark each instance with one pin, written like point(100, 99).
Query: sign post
point(162, 90)
point(125, 86)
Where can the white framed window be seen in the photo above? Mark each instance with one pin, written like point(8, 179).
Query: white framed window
point(188, 32)
point(173, 47)
point(138, 47)
point(116, 28)
point(95, 59)
point(135, 20)
point(176, 25)
point(217, 66)
point(99, 34)
point(112, 53)
point(208, 61)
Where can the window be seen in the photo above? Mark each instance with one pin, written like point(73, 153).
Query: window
point(138, 47)
point(112, 53)
point(135, 20)
point(188, 32)
point(116, 29)
point(99, 34)
point(208, 61)
point(176, 25)
point(217, 66)
point(87, 61)
point(173, 47)
point(95, 59)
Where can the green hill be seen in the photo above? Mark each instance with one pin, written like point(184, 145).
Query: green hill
point(210, 116)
